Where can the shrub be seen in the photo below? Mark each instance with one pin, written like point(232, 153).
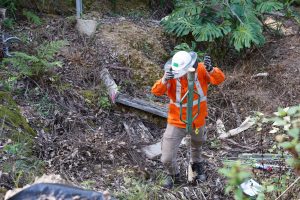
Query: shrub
point(238, 23)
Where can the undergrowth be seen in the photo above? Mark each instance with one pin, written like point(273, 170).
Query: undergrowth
point(22, 65)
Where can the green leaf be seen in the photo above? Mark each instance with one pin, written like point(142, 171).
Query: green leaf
point(294, 133)
point(245, 35)
point(243, 175)
point(207, 32)
point(238, 195)
point(228, 189)
point(224, 171)
point(269, 6)
point(260, 196)
point(286, 145)
point(270, 188)
point(297, 148)
point(293, 110)
point(279, 122)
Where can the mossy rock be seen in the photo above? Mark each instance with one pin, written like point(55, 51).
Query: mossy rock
point(15, 125)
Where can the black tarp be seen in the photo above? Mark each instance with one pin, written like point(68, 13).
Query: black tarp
point(43, 191)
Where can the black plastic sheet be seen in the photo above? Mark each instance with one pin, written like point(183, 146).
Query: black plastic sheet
point(49, 191)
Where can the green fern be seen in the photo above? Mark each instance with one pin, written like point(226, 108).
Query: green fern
point(36, 65)
point(31, 17)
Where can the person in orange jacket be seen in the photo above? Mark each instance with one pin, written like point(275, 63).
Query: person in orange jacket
point(174, 83)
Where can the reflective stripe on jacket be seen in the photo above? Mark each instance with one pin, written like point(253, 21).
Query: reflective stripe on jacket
point(176, 88)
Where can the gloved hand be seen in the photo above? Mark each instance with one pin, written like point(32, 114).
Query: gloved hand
point(208, 64)
point(167, 76)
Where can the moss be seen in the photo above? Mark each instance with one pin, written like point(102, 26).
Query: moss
point(11, 112)
point(20, 162)
point(90, 96)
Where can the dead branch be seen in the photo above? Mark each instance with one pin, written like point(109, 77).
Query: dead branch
point(288, 188)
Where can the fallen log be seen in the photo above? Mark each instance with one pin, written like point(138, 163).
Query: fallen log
point(117, 97)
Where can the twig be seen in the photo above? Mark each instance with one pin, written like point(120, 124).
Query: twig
point(261, 53)
point(288, 188)
point(120, 68)
point(232, 11)
point(238, 118)
point(202, 194)
point(237, 144)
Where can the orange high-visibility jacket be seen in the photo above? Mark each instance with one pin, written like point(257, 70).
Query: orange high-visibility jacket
point(176, 88)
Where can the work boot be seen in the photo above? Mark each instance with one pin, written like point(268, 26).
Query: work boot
point(170, 180)
point(198, 168)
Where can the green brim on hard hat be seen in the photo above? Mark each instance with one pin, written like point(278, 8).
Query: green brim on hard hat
point(183, 71)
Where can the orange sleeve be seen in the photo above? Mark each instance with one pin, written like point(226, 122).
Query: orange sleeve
point(216, 76)
point(159, 88)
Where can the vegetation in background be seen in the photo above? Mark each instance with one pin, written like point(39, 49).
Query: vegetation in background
point(31, 17)
point(17, 154)
point(185, 47)
point(34, 66)
point(222, 24)
point(286, 124)
point(10, 5)
point(236, 174)
point(8, 23)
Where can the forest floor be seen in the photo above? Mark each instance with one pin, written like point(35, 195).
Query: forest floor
point(84, 138)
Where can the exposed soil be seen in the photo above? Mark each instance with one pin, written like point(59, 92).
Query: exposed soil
point(82, 139)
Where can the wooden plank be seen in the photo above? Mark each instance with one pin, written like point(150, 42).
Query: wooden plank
point(116, 97)
point(146, 106)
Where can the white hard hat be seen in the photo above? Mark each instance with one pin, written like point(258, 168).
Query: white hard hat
point(181, 62)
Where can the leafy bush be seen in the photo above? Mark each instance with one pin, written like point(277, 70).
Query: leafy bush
point(287, 122)
point(236, 22)
point(186, 47)
point(236, 174)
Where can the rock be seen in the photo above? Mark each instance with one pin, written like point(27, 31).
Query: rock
point(2, 13)
point(152, 151)
point(86, 27)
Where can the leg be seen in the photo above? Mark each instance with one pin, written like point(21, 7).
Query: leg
point(170, 144)
point(197, 140)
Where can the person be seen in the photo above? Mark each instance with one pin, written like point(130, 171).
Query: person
point(174, 83)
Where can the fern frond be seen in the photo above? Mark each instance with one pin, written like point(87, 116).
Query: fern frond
point(32, 17)
point(35, 65)
point(269, 6)
point(47, 50)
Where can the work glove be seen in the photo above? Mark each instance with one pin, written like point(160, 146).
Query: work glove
point(207, 63)
point(167, 76)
